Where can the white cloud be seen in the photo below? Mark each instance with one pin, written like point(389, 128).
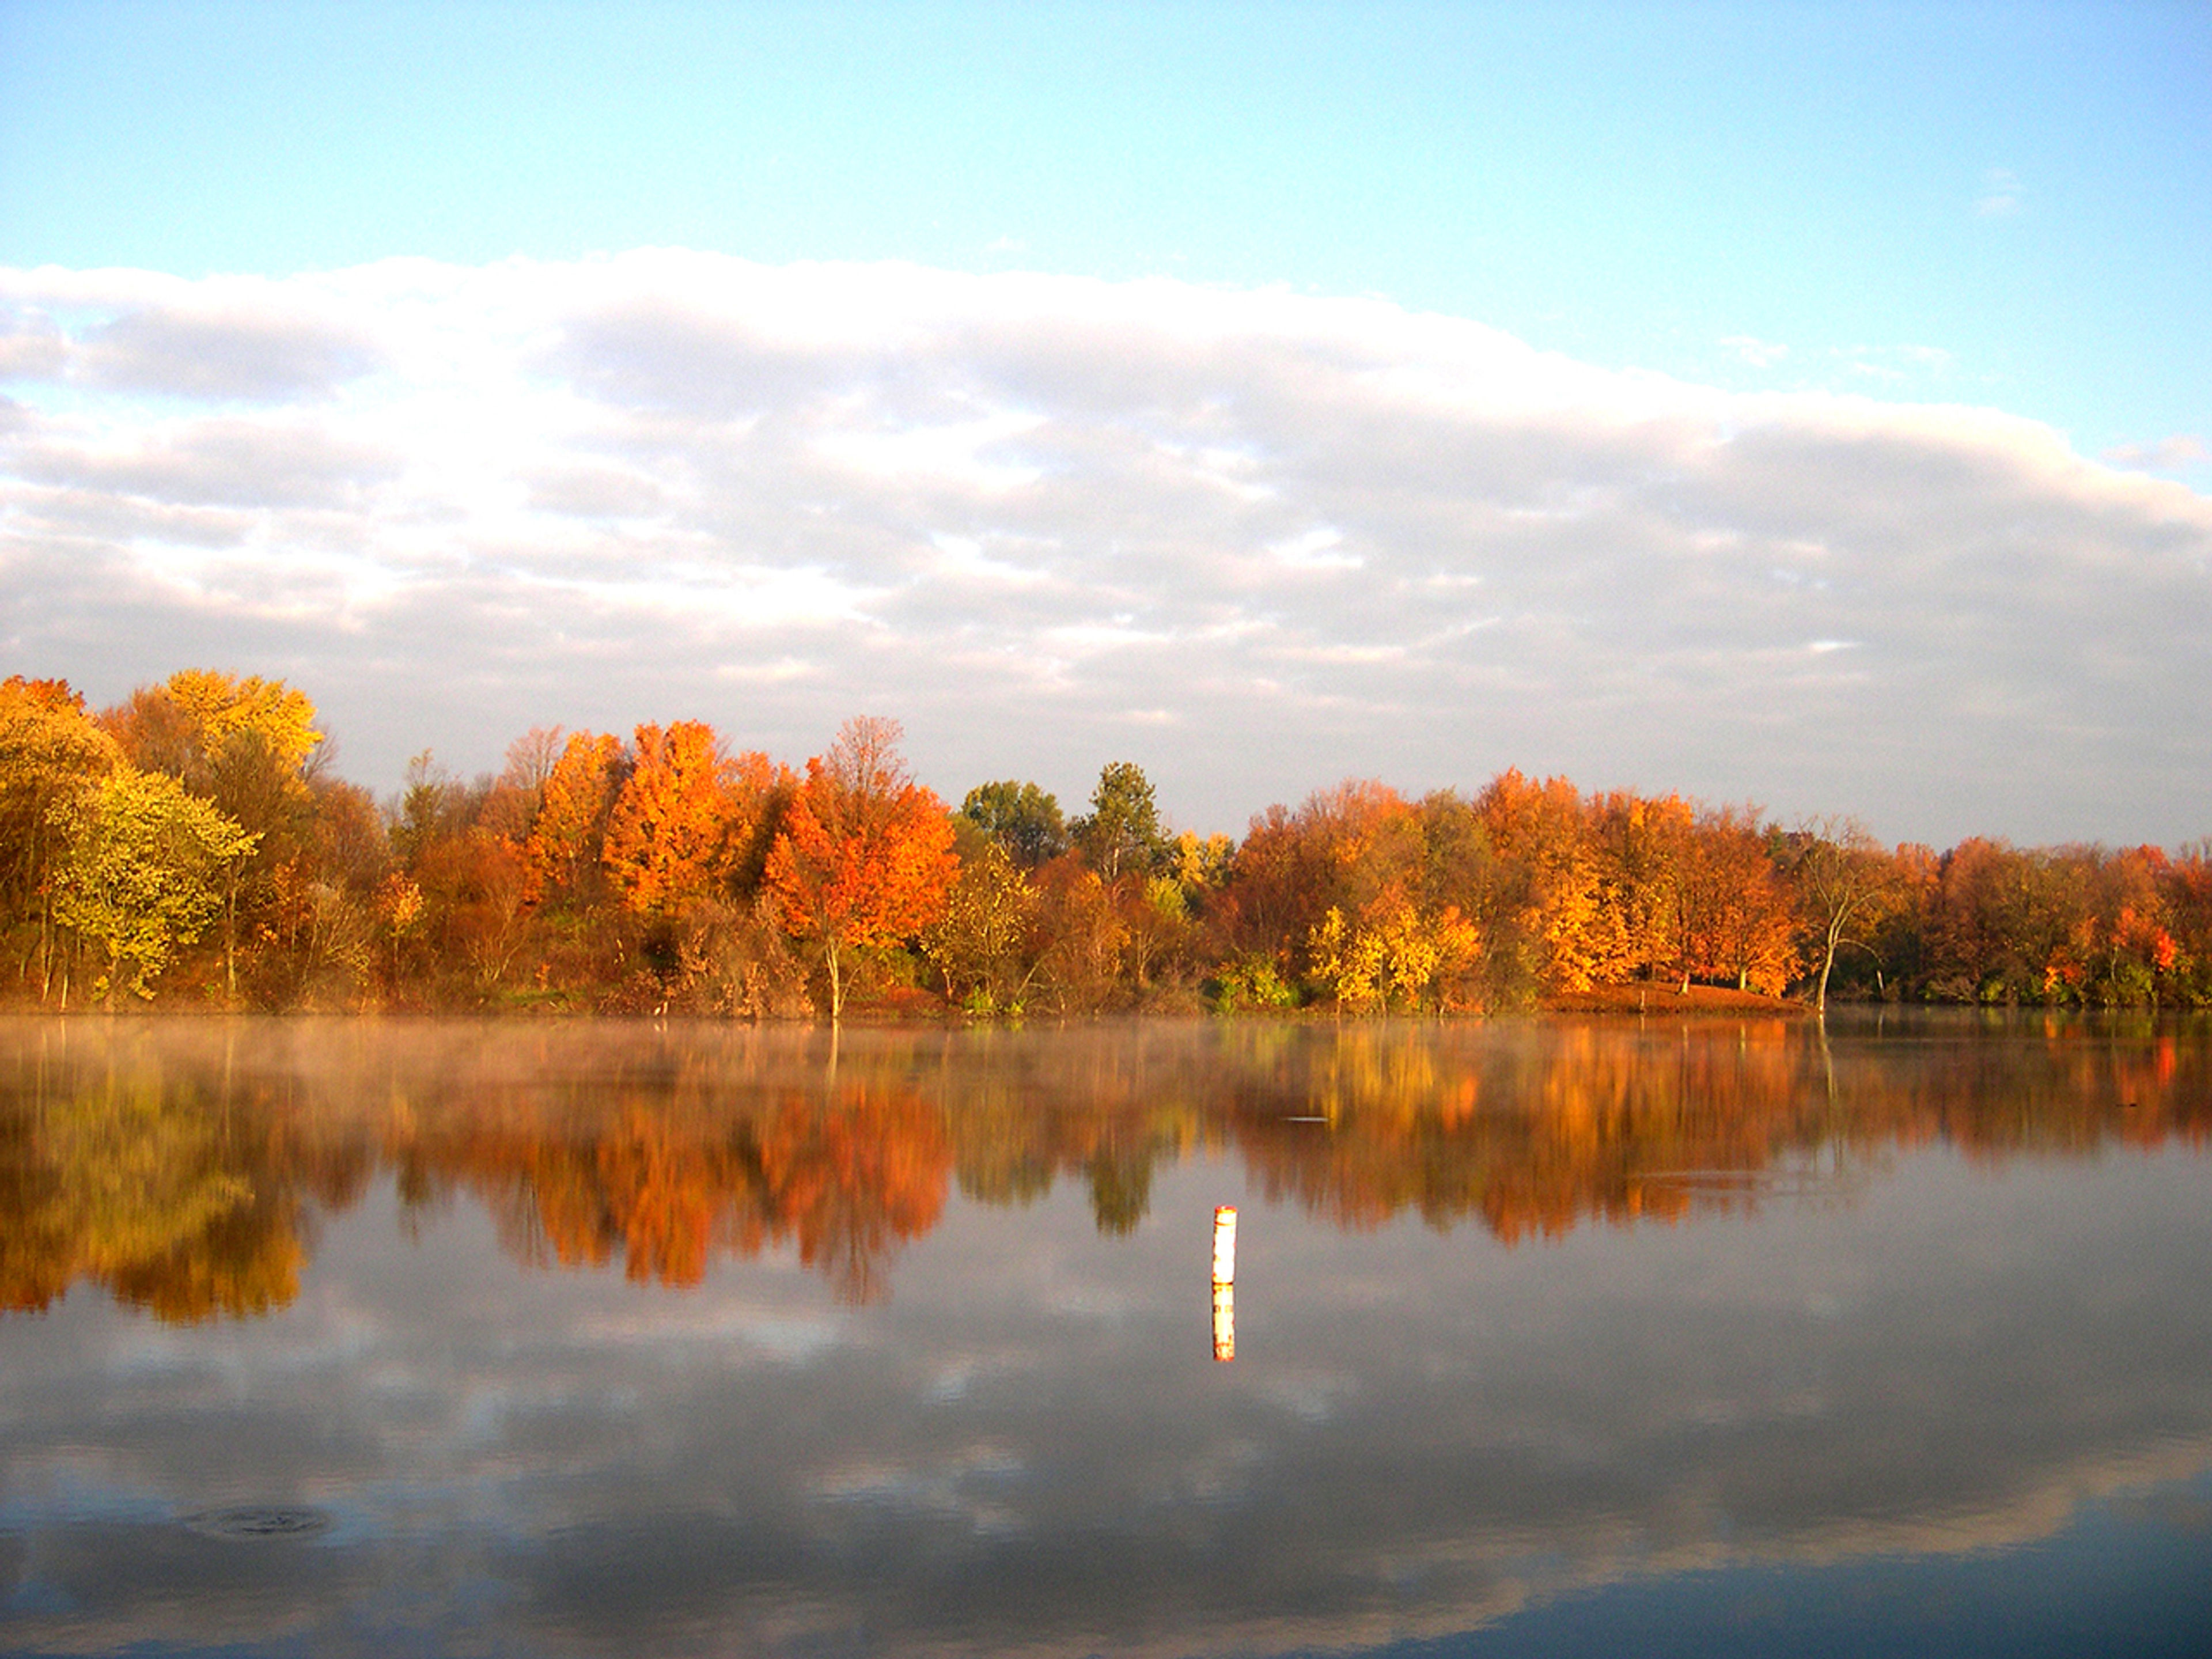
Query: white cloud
point(2001, 194)
point(1893, 364)
point(2168, 454)
point(1755, 352)
point(1307, 538)
point(226, 337)
point(1319, 548)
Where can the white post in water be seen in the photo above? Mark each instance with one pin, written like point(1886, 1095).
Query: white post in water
point(1225, 1277)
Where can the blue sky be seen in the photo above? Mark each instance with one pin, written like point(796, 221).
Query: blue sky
point(1995, 208)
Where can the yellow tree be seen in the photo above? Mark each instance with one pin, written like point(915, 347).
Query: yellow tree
point(1347, 961)
point(981, 943)
point(219, 706)
point(864, 857)
point(244, 743)
point(50, 754)
point(1390, 954)
point(141, 872)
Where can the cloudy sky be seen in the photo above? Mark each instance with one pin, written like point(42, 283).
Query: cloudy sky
point(1811, 406)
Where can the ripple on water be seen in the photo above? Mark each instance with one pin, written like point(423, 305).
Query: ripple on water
point(254, 1523)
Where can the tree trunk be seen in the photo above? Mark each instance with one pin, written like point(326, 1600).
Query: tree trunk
point(1827, 964)
point(230, 938)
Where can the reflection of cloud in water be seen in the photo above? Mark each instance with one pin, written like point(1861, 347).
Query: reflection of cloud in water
point(1092, 1303)
point(1311, 1399)
point(734, 1331)
point(969, 1488)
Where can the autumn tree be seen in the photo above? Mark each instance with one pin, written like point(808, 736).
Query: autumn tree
point(249, 746)
point(1462, 873)
point(760, 793)
point(1277, 890)
point(433, 805)
point(1375, 918)
point(668, 835)
point(575, 799)
point(2057, 925)
point(1643, 846)
point(1737, 906)
point(1156, 918)
point(2187, 885)
point(1389, 955)
point(2127, 947)
point(1841, 875)
point(219, 706)
point(321, 930)
point(209, 730)
point(864, 857)
point(474, 888)
point(1202, 864)
point(1346, 847)
point(1988, 922)
point(51, 754)
point(1554, 894)
point(982, 944)
point(143, 873)
point(1080, 937)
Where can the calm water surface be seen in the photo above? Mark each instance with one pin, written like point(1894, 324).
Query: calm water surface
point(1548, 1337)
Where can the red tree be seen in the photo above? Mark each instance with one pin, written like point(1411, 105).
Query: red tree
point(865, 854)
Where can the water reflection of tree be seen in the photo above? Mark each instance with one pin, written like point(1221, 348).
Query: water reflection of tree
point(183, 1185)
point(168, 1197)
point(1588, 1124)
point(1121, 1188)
point(665, 1181)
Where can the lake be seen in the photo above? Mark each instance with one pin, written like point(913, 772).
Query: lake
point(1545, 1336)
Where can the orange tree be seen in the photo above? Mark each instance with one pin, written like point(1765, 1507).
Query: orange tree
point(864, 857)
point(575, 799)
point(667, 835)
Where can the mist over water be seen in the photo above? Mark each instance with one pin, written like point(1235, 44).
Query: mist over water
point(594, 1337)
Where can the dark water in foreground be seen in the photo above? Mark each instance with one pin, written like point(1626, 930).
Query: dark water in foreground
point(1549, 1338)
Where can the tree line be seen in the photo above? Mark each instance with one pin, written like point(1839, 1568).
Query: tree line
point(191, 844)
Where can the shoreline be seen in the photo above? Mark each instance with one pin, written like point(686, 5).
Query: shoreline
point(1640, 1000)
